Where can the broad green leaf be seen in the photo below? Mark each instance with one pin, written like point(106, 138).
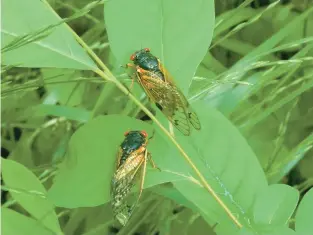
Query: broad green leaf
point(267, 230)
point(175, 195)
point(227, 162)
point(28, 191)
point(56, 48)
point(16, 223)
point(245, 231)
point(178, 32)
point(222, 229)
point(85, 176)
point(280, 231)
point(275, 205)
point(304, 214)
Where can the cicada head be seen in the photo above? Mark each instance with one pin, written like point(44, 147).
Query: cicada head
point(139, 54)
point(134, 134)
point(145, 60)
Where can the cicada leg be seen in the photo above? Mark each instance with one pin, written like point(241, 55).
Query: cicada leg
point(130, 65)
point(133, 77)
point(152, 162)
point(150, 156)
point(126, 66)
point(153, 132)
point(143, 173)
point(133, 82)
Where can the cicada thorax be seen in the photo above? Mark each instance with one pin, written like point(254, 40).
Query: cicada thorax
point(134, 140)
point(130, 161)
point(161, 89)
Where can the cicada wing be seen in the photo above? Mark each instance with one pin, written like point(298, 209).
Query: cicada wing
point(192, 116)
point(122, 209)
point(167, 98)
point(194, 120)
point(122, 183)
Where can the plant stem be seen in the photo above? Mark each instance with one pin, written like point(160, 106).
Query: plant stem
point(107, 75)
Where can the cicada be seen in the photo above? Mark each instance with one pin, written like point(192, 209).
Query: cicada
point(161, 90)
point(131, 165)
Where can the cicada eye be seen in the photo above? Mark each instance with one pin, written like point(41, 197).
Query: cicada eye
point(126, 133)
point(133, 57)
point(144, 133)
point(147, 49)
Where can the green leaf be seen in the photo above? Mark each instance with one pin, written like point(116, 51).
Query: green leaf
point(275, 205)
point(267, 230)
point(84, 178)
point(226, 161)
point(173, 194)
point(56, 48)
point(229, 165)
point(27, 190)
point(304, 214)
point(280, 231)
point(222, 229)
point(245, 231)
point(10, 220)
point(178, 32)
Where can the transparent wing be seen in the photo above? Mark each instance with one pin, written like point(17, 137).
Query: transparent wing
point(168, 99)
point(192, 116)
point(122, 183)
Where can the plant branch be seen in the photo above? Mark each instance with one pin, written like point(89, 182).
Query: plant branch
point(107, 75)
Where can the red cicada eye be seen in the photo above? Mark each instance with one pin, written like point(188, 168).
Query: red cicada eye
point(132, 57)
point(126, 133)
point(144, 133)
point(147, 49)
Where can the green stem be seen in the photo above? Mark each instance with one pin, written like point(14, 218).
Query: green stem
point(107, 75)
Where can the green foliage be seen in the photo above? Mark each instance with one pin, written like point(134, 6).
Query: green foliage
point(304, 213)
point(91, 153)
point(26, 225)
point(178, 35)
point(27, 190)
point(247, 67)
point(36, 43)
point(275, 205)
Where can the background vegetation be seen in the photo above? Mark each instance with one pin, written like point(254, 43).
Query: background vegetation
point(247, 69)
